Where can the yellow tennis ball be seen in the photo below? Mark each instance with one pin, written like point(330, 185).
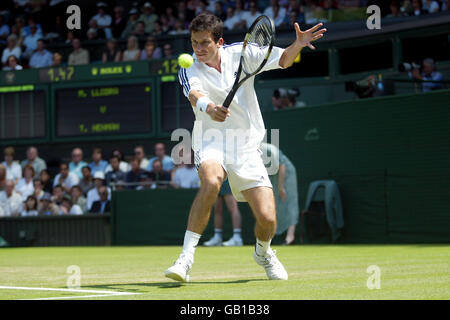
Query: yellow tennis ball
point(185, 60)
point(298, 58)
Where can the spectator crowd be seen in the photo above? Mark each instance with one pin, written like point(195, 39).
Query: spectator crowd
point(27, 26)
point(28, 189)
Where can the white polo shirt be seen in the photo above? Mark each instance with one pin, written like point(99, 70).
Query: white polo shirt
point(245, 113)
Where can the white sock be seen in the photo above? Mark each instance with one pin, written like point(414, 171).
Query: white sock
point(261, 247)
point(237, 233)
point(218, 233)
point(190, 242)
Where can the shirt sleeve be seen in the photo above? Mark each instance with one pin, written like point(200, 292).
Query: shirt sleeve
point(189, 80)
point(274, 59)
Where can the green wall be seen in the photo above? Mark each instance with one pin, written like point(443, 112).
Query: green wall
point(389, 156)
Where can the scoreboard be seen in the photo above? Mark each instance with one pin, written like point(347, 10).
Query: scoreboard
point(103, 110)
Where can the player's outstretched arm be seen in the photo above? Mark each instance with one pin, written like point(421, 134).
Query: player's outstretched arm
point(303, 39)
point(217, 113)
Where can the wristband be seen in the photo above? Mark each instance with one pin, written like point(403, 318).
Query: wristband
point(202, 103)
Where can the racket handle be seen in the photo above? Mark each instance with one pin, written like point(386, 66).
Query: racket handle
point(228, 99)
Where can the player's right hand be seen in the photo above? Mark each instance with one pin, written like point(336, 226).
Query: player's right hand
point(218, 113)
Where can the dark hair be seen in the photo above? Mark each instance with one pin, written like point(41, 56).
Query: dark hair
point(87, 167)
point(114, 157)
point(35, 203)
point(76, 187)
point(207, 22)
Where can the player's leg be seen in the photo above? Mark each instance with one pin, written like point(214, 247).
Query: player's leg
point(211, 175)
point(236, 220)
point(216, 240)
point(262, 203)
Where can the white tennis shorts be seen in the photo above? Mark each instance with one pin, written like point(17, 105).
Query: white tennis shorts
point(245, 170)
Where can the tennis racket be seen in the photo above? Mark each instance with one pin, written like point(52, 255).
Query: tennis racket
point(261, 36)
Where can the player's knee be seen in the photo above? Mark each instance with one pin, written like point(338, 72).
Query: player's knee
point(267, 220)
point(211, 184)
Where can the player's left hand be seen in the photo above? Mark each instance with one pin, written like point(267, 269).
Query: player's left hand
point(304, 38)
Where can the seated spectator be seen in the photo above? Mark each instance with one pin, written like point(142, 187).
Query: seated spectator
point(430, 6)
point(148, 52)
point(12, 49)
point(94, 194)
point(92, 34)
point(65, 178)
point(12, 64)
point(25, 185)
point(148, 17)
point(186, 176)
point(38, 188)
point(118, 23)
point(395, 9)
point(79, 55)
point(232, 21)
point(168, 51)
point(68, 208)
point(159, 176)
point(103, 205)
point(160, 154)
point(96, 32)
point(417, 9)
point(157, 52)
point(170, 16)
point(33, 159)
point(219, 10)
point(97, 164)
point(58, 30)
point(103, 19)
point(10, 200)
point(124, 166)
point(30, 41)
point(58, 194)
point(139, 31)
point(46, 181)
point(28, 29)
point(131, 23)
point(47, 207)
point(158, 29)
point(41, 58)
point(178, 28)
point(429, 73)
point(111, 53)
point(56, 60)
point(30, 207)
point(87, 182)
point(132, 53)
point(78, 198)
point(115, 175)
point(139, 153)
point(275, 12)
point(136, 174)
point(77, 162)
point(13, 169)
point(2, 177)
point(250, 16)
point(4, 31)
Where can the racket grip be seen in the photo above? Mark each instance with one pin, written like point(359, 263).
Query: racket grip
point(228, 100)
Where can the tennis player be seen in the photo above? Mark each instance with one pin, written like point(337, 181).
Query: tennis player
point(206, 84)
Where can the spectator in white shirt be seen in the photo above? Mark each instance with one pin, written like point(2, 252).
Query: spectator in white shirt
point(94, 194)
point(30, 207)
point(275, 12)
point(139, 153)
point(103, 19)
point(25, 185)
point(12, 49)
point(233, 21)
point(13, 169)
point(68, 208)
point(250, 16)
point(10, 200)
point(65, 178)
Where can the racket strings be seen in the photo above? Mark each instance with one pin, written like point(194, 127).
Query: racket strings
point(260, 39)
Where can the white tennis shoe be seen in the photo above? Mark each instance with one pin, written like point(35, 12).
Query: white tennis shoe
point(274, 268)
point(180, 269)
point(213, 242)
point(233, 242)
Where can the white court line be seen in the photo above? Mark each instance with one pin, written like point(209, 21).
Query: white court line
point(101, 293)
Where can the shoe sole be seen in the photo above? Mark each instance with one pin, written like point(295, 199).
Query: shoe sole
point(175, 276)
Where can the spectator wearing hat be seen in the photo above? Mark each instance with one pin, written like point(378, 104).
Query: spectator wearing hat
point(86, 183)
point(79, 55)
point(30, 207)
point(77, 162)
point(102, 205)
point(13, 169)
point(10, 200)
point(94, 194)
point(97, 164)
point(12, 49)
point(33, 159)
point(103, 19)
point(25, 185)
point(131, 24)
point(78, 198)
point(65, 178)
point(115, 175)
point(47, 207)
point(41, 58)
point(68, 208)
point(148, 17)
